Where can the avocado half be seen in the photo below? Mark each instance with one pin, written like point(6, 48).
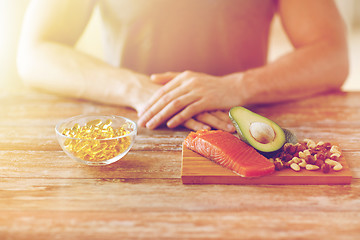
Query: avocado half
point(258, 131)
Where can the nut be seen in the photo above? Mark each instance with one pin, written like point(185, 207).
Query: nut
point(332, 163)
point(278, 164)
point(325, 168)
point(320, 155)
point(335, 155)
point(309, 155)
point(310, 159)
point(311, 144)
point(337, 167)
point(302, 155)
point(286, 157)
point(335, 158)
point(302, 163)
point(300, 147)
point(335, 149)
point(295, 160)
point(311, 167)
point(289, 148)
point(307, 152)
point(327, 146)
point(319, 162)
point(295, 167)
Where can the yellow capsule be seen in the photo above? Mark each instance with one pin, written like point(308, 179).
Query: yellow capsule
point(66, 132)
point(96, 150)
point(93, 123)
point(106, 124)
point(67, 142)
point(75, 127)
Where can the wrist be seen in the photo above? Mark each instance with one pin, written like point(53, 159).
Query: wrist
point(142, 91)
point(237, 89)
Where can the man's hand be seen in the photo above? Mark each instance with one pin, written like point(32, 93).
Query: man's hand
point(190, 94)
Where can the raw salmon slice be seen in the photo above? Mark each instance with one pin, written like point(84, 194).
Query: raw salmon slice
point(230, 152)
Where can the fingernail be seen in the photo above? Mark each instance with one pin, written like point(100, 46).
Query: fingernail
point(206, 127)
point(140, 123)
point(230, 127)
point(150, 124)
point(170, 124)
point(203, 127)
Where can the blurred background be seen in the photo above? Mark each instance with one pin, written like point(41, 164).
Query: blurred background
point(12, 11)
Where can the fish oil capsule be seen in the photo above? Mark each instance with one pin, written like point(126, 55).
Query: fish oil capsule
point(94, 123)
point(75, 127)
point(106, 124)
point(90, 145)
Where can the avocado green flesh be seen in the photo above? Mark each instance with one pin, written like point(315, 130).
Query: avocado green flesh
point(242, 118)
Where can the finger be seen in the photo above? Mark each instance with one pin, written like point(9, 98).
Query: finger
point(215, 122)
point(191, 109)
point(162, 108)
point(163, 78)
point(162, 112)
point(222, 115)
point(166, 89)
point(194, 125)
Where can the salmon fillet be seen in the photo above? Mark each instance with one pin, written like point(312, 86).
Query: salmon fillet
point(230, 152)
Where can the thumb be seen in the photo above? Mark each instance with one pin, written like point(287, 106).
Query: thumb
point(163, 78)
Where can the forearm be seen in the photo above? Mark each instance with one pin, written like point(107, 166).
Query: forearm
point(304, 72)
point(63, 70)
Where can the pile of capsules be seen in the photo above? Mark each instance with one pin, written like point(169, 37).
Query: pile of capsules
point(96, 141)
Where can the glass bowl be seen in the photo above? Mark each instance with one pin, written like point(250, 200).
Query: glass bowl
point(96, 140)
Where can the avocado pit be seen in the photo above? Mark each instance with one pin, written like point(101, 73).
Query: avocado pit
point(262, 132)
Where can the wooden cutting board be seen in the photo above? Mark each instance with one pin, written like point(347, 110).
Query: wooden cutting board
point(197, 169)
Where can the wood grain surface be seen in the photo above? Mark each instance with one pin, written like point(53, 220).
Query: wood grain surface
point(46, 195)
point(196, 169)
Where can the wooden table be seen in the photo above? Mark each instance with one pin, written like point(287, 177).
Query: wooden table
point(46, 195)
